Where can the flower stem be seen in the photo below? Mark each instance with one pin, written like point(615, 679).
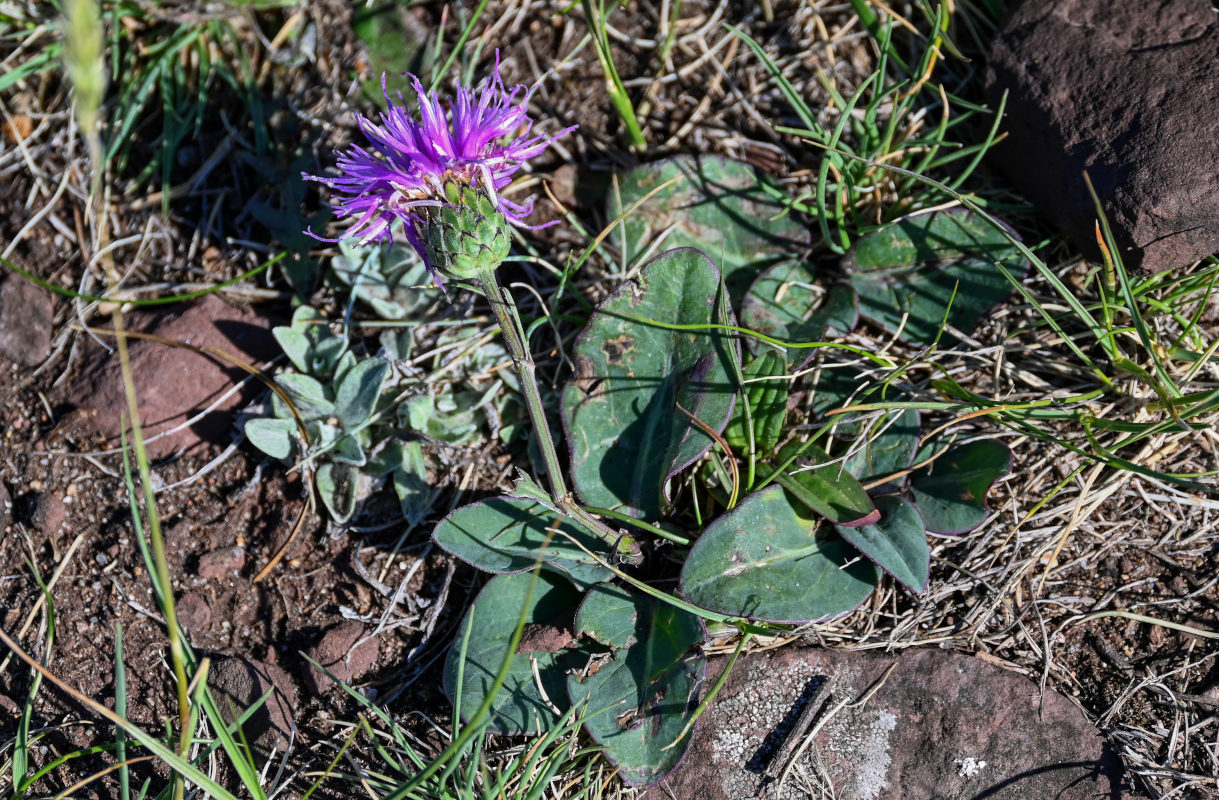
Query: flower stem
point(504, 309)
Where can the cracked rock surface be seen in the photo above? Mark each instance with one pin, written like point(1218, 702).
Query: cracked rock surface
point(940, 726)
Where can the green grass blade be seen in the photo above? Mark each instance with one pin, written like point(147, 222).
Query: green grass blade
point(1114, 256)
point(481, 715)
point(21, 746)
point(619, 98)
point(1064, 292)
point(154, 745)
point(134, 96)
point(983, 148)
point(437, 77)
point(152, 301)
point(789, 92)
point(872, 24)
point(43, 62)
point(120, 708)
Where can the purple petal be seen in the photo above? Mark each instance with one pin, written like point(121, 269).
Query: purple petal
point(483, 138)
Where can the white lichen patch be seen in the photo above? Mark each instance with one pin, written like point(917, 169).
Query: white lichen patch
point(746, 720)
point(859, 740)
point(874, 756)
point(970, 767)
point(850, 759)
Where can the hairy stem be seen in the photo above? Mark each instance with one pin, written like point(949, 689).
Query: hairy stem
point(504, 309)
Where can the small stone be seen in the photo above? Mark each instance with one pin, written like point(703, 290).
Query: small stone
point(175, 384)
point(51, 512)
point(194, 613)
point(222, 563)
point(26, 321)
point(338, 652)
point(1130, 93)
point(239, 683)
point(563, 184)
point(6, 507)
point(545, 638)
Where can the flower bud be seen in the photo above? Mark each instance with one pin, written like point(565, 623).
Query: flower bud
point(465, 235)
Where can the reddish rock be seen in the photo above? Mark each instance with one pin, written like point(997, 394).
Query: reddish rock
point(51, 512)
point(1128, 91)
point(174, 384)
point(239, 683)
point(222, 563)
point(26, 321)
point(942, 726)
point(338, 652)
point(194, 614)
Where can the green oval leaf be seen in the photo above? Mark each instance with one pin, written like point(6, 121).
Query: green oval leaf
point(830, 489)
point(725, 208)
point(336, 484)
point(784, 303)
point(520, 707)
point(640, 694)
point(507, 534)
point(295, 345)
point(359, 391)
point(348, 450)
point(766, 389)
point(307, 395)
point(950, 492)
point(410, 484)
point(897, 543)
point(626, 433)
point(275, 437)
point(912, 266)
point(766, 559)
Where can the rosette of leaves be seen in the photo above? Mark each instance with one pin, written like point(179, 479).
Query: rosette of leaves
point(791, 552)
point(659, 381)
point(331, 416)
point(478, 394)
point(393, 281)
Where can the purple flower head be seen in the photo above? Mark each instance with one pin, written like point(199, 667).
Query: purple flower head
point(482, 141)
